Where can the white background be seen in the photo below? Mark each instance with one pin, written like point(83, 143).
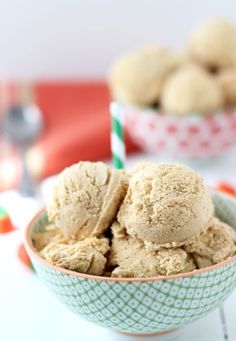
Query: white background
point(71, 38)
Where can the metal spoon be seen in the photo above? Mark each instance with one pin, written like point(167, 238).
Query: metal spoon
point(22, 125)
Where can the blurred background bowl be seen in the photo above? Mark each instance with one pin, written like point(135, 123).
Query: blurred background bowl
point(140, 306)
point(188, 137)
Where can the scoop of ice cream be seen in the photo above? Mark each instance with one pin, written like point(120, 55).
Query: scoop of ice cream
point(131, 258)
point(212, 245)
point(86, 198)
point(85, 256)
point(191, 90)
point(138, 77)
point(213, 44)
point(167, 203)
point(51, 234)
point(227, 80)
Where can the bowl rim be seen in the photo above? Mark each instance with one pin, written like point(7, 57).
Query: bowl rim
point(33, 253)
point(189, 116)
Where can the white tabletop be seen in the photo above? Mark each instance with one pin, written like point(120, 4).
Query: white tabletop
point(28, 311)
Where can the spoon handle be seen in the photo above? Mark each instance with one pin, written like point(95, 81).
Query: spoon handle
point(15, 93)
point(26, 95)
point(27, 185)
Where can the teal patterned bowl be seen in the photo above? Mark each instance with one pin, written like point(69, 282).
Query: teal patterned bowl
point(140, 306)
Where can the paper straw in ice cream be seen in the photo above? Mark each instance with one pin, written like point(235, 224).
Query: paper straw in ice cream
point(117, 135)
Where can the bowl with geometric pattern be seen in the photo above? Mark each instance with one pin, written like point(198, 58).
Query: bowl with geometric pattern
point(158, 305)
point(192, 136)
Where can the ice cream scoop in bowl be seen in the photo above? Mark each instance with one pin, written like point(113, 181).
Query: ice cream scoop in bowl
point(156, 305)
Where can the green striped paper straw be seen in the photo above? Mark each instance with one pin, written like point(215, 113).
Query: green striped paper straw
point(117, 135)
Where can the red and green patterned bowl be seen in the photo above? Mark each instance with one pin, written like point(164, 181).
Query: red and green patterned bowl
point(140, 306)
